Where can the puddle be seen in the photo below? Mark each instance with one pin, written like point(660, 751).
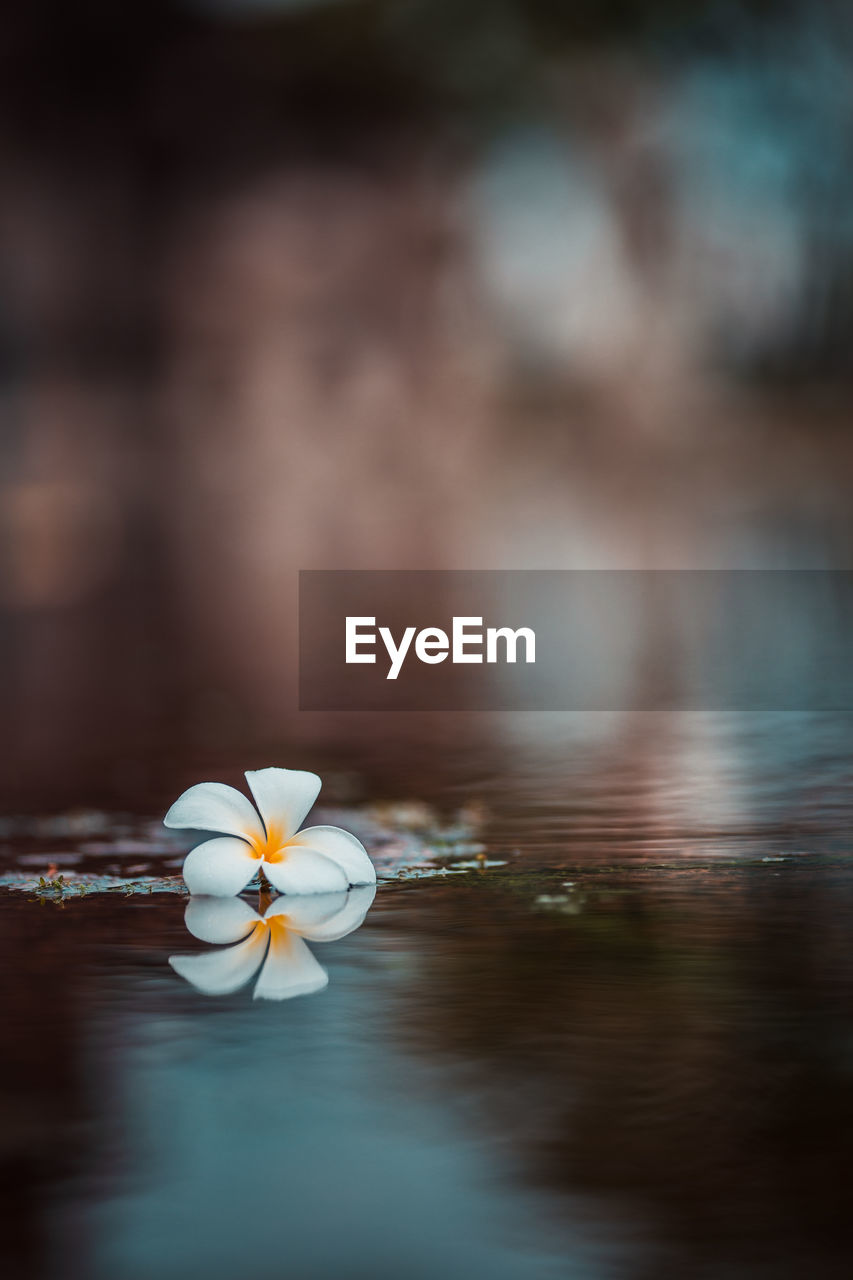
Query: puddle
point(505, 1074)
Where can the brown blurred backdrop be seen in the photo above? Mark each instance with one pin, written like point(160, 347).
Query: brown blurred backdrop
point(294, 284)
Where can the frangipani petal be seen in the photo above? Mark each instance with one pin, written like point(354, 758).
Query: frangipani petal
point(347, 920)
point(219, 868)
point(283, 797)
point(341, 847)
point(306, 910)
point(213, 806)
point(290, 968)
point(219, 919)
point(216, 973)
point(303, 871)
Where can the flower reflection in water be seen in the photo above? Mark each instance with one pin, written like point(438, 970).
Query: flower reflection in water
point(272, 940)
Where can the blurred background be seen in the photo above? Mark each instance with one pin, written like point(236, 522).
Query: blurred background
point(394, 283)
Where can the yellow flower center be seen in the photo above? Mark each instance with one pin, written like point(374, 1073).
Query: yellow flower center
point(271, 849)
point(277, 925)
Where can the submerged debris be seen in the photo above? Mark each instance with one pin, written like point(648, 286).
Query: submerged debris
point(78, 886)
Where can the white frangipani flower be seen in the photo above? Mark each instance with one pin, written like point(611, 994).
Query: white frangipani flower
point(316, 860)
point(272, 942)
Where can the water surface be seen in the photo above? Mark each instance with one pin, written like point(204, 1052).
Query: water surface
point(598, 1022)
point(507, 1075)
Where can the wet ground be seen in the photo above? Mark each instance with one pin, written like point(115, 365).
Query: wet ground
point(598, 1022)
